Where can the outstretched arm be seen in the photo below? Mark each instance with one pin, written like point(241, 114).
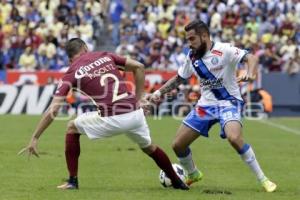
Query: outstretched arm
point(171, 84)
point(48, 117)
point(45, 121)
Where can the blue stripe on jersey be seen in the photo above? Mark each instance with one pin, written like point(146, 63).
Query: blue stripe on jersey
point(203, 72)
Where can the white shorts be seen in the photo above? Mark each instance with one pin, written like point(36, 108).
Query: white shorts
point(133, 124)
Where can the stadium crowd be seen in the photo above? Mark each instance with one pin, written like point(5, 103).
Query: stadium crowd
point(154, 31)
point(33, 33)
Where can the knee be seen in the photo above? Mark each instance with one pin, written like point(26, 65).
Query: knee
point(71, 128)
point(178, 147)
point(236, 141)
point(149, 149)
point(234, 138)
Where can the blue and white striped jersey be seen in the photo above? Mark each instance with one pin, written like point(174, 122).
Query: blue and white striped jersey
point(217, 73)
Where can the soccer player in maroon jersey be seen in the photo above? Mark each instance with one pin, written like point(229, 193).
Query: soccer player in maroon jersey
point(96, 74)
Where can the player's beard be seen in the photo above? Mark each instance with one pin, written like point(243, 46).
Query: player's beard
point(200, 51)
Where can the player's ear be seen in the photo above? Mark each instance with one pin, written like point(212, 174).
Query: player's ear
point(70, 60)
point(86, 49)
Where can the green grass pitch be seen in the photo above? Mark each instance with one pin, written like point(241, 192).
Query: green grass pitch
point(116, 169)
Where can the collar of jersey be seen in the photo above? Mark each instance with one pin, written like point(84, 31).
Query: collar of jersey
point(212, 45)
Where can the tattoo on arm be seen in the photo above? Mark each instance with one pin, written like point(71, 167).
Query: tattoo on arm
point(171, 84)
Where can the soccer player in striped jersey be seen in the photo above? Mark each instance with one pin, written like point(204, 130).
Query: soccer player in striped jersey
point(215, 65)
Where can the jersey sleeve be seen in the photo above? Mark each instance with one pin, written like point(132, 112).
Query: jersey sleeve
point(186, 70)
point(235, 55)
point(67, 82)
point(119, 60)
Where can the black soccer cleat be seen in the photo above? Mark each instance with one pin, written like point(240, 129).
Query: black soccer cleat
point(179, 184)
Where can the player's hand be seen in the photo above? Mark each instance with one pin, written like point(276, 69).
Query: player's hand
point(154, 97)
point(145, 105)
point(245, 77)
point(31, 149)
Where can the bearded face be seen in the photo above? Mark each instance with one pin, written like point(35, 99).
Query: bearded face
point(196, 43)
point(200, 51)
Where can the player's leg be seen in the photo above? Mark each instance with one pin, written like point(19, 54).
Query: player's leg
point(197, 122)
point(72, 152)
point(184, 138)
point(91, 124)
point(164, 163)
point(140, 134)
point(233, 131)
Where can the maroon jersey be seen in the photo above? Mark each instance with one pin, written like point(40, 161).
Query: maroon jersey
point(96, 75)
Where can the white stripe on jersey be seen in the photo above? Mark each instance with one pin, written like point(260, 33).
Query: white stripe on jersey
point(216, 72)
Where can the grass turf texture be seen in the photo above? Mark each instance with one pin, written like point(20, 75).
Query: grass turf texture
point(116, 169)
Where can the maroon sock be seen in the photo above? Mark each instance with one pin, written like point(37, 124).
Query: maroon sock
point(163, 161)
point(72, 152)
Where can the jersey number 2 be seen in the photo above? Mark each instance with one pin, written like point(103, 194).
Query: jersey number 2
point(116, 96)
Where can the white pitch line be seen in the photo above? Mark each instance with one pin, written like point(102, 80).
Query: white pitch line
point(280, 126)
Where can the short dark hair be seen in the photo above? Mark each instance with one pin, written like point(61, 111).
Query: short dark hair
point(73, 46)
point(197, 25)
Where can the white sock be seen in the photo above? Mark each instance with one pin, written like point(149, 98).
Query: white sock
point(187, 163)
point(250, 160)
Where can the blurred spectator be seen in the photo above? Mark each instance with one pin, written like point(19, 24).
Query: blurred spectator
point(252, 25)
point(272, 23)
point(177, 58)
point(116, 9)
point(5, 10)
point(32, 15)
point(32, 39)
point(32, 23)
point(15, 45)
point(287, 28)
point(61, 57)
point(249, 38)
point(270, 60)
point(47, 8)
point(261, 26)
point(62, 11)
point(73, 18)
point(292, 66)
point(215, 22)
point(164, 27)
point(46, 54)
point(27, 60)
point(166, 10)
point(287, 51)
point(15, 16)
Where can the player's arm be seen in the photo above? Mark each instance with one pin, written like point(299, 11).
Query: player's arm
point(48, 116)
point(138, 70)
point(45, 121)
point(250, 62)
point(184, 72)
point(62, 90)
point(171, 84)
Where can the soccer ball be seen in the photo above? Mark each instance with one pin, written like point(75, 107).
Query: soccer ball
point(164, 179)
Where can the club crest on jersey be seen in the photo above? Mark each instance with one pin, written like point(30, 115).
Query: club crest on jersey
point(214, 60)
point(196, 63)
